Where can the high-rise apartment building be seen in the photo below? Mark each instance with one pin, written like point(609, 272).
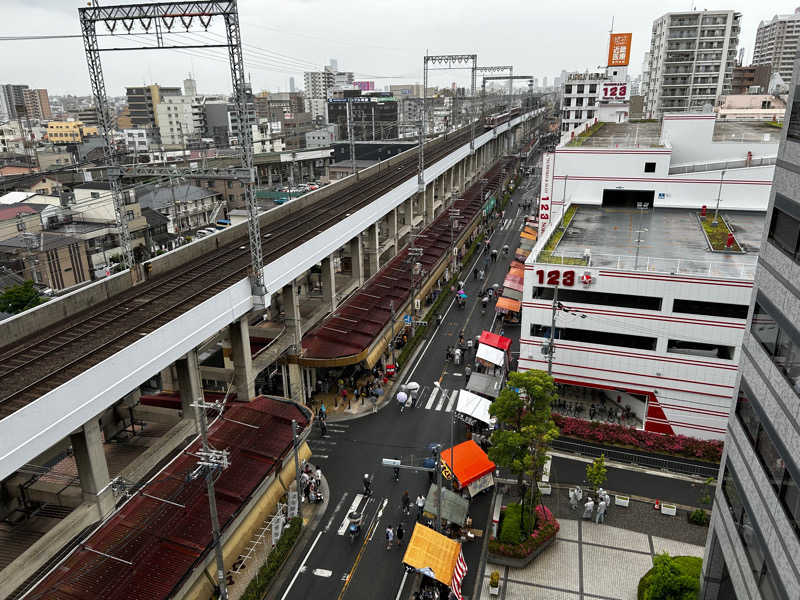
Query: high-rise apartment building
point(37, 104)
point(692, 55)
point(776, 43)
point(318, 86)
point(142, 102)
point(753, 546)
point(12, 101)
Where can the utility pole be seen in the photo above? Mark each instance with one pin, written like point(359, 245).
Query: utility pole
point(296, 460)
point(413, 254)
point(391, 338)
point(454, 214)
point(211, 461)
point(551, 350)
point(642, 207)
point(351, 138)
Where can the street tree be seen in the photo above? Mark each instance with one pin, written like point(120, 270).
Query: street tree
point(596, 472)
point(18, 298)
point(526, 429)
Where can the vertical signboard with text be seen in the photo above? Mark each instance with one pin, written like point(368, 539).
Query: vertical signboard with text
point(548, 160)
point(619, 50)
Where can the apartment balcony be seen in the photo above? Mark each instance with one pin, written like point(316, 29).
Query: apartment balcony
point(683, 24)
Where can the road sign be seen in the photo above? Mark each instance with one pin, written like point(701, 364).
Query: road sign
point(407, 319)
point(292, 505)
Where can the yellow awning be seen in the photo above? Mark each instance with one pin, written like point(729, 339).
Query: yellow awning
point(430, 549)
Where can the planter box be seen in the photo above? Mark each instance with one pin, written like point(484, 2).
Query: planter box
point(622, 500)
point(518, 563)
point(545, 488)
point(669, 510)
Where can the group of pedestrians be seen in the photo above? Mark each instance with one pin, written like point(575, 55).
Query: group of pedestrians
point(394, 535)
point(589, 513)
point(310, 482)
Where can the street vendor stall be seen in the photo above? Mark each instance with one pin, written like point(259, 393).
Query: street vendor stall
point(454, 507)
point(494, 340)
point(490, 357)
point(473, 469)
point(485, 384)
point(473, 409)
point(436, 556)
point(510, 308)
point(512, 287)
point(521, 254)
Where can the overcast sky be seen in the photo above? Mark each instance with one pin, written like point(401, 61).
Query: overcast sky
point(378, 39)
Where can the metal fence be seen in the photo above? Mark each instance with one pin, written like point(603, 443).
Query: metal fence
point(640, 460)
point(756, 161)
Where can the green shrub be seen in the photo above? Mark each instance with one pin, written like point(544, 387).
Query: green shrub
point(671, 578)
point(261, 582)
point(511, 527)
point(699, 517)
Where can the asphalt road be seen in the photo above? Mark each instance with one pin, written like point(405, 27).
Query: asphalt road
point(335, 566)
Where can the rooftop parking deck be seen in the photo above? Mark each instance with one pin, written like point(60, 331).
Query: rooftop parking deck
point(671, 241)
point(647, 134)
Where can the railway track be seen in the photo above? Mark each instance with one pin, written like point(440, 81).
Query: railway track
point(47, 359)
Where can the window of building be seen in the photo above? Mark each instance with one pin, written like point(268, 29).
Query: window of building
point(771, 460)
point(779, 345)
point(649, 167)
point(580, 89)
point(712, 309)
point(596, 337)
point(602, 298)
point(129, 215)
point(94, 195)
point(593, 88)
point(784, 232)
point(700, 349)
point(793, 122)
point(567, 89)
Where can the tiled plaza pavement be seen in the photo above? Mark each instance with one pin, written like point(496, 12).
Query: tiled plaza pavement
point(590, 561)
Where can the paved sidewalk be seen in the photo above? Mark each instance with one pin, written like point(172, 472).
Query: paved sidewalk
point(590, 561)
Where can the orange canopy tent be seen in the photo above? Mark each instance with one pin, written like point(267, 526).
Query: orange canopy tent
point(471, 463)
point(510, 304)
point(433, 553)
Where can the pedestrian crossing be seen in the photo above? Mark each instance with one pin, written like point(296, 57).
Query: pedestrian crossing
point(437, 400)
point(322, 446)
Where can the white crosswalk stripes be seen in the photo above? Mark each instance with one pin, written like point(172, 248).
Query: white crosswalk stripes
point(441, 400)
point(432, 398)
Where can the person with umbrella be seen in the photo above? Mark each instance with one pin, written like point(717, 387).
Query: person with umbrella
point(402, 397)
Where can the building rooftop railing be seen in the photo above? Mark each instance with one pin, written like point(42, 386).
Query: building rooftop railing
point(732, 269)
point(759, 161)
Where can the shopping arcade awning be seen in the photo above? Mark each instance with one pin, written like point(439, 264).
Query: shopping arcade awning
point(454, 507)
point(491, 354)
point(494, 340)
point(471, 462)
point(429, 549)
point(473, 407)
point(505, 303)
point(515, 283)
point(527, 236)
point(509, 292)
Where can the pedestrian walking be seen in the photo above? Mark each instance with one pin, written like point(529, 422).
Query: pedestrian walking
point(588, 509)
point(318, 477)
point(406, 501)
point(389, 537)
point(601, 513)
point(480, 275)
point(475, 273)
point(494, 255)
point(420, 506)
point(400, 534)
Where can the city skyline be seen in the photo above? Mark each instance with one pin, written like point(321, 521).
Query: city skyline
point(274, 52)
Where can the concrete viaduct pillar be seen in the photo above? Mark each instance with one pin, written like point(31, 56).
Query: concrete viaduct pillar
point(328, 279)
point(373, 248)
point(429, 211)
point(357, 260)
point(392, 216)
point(293, 325)
point(244, 377)
point(189, 383)
point(87, 446)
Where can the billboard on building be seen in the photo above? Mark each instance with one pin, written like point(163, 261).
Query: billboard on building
point(548, 159)
point(365, 86)
point(619, 50)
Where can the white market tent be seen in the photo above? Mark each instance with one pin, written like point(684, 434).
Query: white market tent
point(491, 354)
point(474, 406)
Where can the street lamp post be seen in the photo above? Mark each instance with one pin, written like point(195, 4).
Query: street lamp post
point(715, 222)
point(437, 385)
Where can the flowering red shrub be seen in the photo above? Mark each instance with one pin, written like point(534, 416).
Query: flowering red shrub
point(620, 435)
point(546, 528)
